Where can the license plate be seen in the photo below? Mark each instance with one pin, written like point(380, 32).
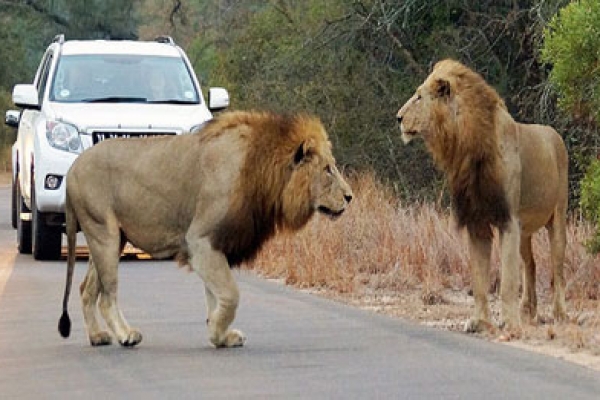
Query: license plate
point(98, 137)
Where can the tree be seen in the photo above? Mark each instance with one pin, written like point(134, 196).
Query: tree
point(352, 62)
point(99, 19)
point(572, 47)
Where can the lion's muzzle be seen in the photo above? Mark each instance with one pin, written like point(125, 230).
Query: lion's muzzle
point(334, 214)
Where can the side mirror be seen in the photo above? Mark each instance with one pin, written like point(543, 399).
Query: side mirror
point(26, 96)
point(218, 99)
point(12, 118)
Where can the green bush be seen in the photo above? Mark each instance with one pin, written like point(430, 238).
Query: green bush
point(572, 47)
point(590, 202)
point(7, 133)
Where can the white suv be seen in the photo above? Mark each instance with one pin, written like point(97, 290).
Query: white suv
point(85, 92)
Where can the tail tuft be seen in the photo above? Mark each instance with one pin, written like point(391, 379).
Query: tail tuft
point(64, 325)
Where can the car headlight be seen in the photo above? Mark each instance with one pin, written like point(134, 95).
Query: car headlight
point(63, 136)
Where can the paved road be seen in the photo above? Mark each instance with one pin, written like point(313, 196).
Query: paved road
point(299, 346)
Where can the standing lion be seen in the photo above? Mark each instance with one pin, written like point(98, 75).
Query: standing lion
point(210, 199)
point(501, 174)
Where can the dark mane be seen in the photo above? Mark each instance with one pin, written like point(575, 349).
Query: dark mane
point(258, 209)
point(468, 150)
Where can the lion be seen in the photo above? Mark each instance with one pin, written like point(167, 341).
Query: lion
point(210, 199)
point(501, 174)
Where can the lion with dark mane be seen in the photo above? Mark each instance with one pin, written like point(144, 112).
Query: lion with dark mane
point(211, 199)
point(500, 174)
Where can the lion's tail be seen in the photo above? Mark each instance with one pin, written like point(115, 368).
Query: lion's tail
point(64, 324)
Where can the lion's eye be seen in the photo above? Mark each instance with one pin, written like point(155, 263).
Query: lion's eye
point(418, 98)
point(328, 169)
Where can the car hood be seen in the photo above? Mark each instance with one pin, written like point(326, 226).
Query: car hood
point(89, 116)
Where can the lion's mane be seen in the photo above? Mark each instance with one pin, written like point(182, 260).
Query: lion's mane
point(269, 196)
point(466, 146)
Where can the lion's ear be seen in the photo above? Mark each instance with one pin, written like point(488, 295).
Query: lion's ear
point(442, 88)
point(303, 151)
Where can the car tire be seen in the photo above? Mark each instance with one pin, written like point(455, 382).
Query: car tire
point(23, 226)
point(46, 239)
point(13, 205)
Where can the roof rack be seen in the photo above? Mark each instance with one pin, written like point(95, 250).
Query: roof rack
point(60, 39)
point(165, 39)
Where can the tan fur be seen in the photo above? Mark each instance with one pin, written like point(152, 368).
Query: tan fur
point(501, 174)
point(212, 199)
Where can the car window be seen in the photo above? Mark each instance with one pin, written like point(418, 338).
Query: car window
point(41, 84)
point(123, 78)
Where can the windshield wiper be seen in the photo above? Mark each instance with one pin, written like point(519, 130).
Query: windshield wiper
point(171, 101)
point(116, 99)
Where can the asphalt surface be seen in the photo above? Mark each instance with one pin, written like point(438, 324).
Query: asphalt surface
point(299, 346)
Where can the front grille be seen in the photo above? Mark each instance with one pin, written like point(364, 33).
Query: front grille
point(99, 136)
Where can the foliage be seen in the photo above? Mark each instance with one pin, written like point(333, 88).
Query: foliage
point(355, 62)
point(7, 134)
point(352, 62)
point(99, 19)
point(312, 57)
point(572, 47)
point(590, 201)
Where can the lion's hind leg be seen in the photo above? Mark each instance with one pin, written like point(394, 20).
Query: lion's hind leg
point(106, 253)
point(90, 291)
point(557, 233)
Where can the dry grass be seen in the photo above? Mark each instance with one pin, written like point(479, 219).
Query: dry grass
point(410, 260)
point(380, 243)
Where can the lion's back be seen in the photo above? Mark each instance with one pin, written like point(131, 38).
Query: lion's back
point(544, 169)
point(226, 182)
point(153, 188)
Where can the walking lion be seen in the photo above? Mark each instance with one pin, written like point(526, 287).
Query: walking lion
point(211, 199)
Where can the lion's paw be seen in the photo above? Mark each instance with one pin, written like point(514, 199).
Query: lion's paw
point(232, 338)
point(133, 338)
point(474, 325)
point(511, 325)
point(559, 314)
point(528, 312)
point(101, 338)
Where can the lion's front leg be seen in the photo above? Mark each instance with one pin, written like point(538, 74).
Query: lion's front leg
point(219, 319)
point(529, 297)
point(509, 283)
point(480, 251)
point(222, 294)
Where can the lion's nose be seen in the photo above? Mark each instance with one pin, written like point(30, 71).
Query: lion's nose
point(399, 118)
point(348, 197)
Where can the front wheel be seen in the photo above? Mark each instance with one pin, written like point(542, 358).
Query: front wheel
point(46, 239)
point(23, 225)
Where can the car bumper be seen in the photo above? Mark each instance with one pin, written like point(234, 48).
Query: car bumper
point(56, 164)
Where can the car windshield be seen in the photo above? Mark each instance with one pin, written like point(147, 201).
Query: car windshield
point(123, 78)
